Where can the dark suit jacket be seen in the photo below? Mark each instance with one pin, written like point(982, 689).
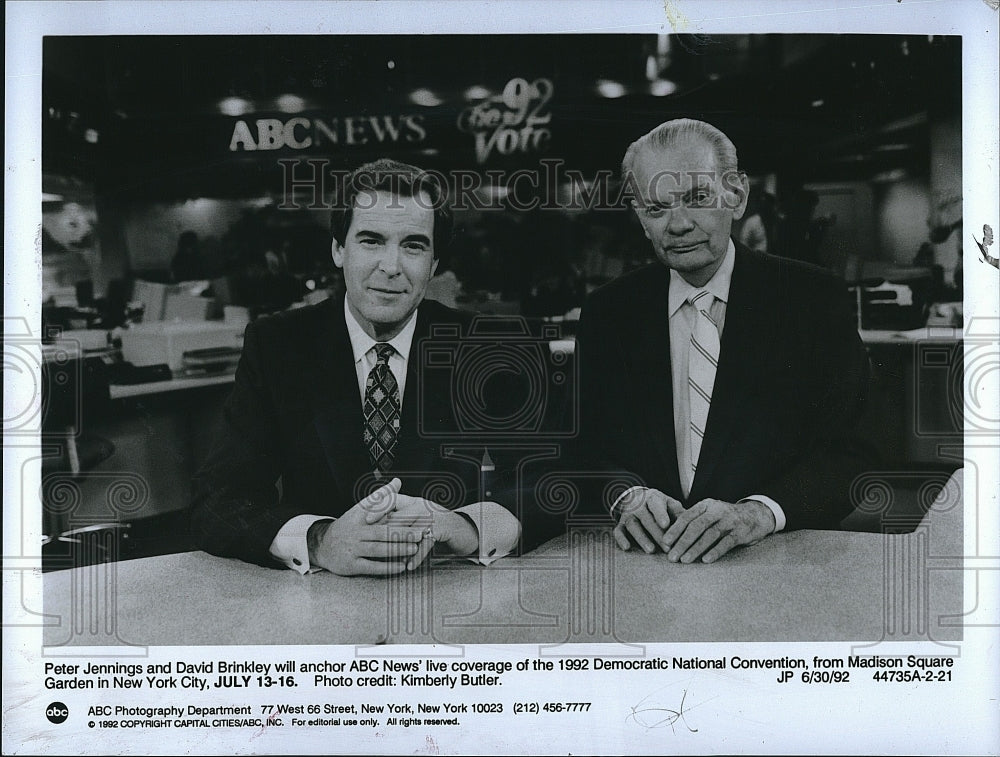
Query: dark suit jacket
point(790, 388)
point(294, 422)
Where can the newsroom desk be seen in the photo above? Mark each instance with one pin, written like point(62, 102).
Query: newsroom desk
point(799, 586)
point(122, 391)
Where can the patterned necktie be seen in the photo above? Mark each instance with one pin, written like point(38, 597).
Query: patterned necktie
point(382, 410)
point(703, 360)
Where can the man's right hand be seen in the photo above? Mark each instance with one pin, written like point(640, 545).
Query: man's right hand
point(645, 515)
point(361, 542)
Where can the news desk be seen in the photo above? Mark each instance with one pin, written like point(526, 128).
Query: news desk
point(578, 588)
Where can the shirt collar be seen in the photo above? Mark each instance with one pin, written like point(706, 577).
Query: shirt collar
point(361, 343)
point(718, 285)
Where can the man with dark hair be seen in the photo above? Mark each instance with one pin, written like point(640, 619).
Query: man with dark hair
point(728, 380)
point(331, 400)
point(398, 179)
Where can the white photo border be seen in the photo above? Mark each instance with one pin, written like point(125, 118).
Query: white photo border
point(743, 717)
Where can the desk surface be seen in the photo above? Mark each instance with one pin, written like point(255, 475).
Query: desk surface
point(120, 391)
point(948, 334)
point(800, 586)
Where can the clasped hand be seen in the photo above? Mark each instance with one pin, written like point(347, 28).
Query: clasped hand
point(705, 531)
point(388, 533)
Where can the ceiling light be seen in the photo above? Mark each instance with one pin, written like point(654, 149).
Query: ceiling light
point(291, 104)
point(652, 70)
point(425, 97)
point(907, 122)
point(662, 88)
point(476, 92)
point(889, 176)
point(610, 89)
point(818, 103)
point(234, 106)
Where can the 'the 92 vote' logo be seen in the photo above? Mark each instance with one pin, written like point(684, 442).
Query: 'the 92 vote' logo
point(57, 713)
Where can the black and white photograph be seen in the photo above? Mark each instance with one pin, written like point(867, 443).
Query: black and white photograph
point(377, 385)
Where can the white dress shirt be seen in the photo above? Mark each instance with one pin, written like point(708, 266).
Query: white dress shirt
point(498, 528)
point(682, 316)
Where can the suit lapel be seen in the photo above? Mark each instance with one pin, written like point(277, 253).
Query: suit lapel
point(339, 417)
point(411, 452)
point(740, 357)
point(650, 365)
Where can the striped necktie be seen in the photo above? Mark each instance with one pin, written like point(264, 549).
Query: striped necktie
point(382, 410)
point(703, 360)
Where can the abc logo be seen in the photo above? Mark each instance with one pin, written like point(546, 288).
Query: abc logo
point(57, 713)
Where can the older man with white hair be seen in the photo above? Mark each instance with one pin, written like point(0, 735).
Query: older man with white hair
point(729, 381)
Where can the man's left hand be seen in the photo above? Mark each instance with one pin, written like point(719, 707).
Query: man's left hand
point(709, 529)
point(442, 526)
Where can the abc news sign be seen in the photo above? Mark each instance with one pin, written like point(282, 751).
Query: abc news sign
point(515, 121)
point(301, 133)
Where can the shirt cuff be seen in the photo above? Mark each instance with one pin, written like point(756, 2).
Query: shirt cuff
point(622, 496)
point(291, 546)
point(774, 507)
point(498, 530)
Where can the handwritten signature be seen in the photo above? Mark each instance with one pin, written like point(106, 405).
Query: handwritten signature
point(271, 719)
point(660, 717)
